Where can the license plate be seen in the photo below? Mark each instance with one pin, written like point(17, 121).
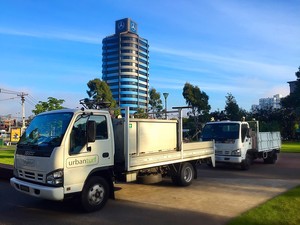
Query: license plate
point(24, 188)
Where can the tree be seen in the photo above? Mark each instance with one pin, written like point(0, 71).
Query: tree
point(198, 100)
point(140, 113)
point(232, 109)
point(155, 103)
point(100, 94)
point(51, 104)
point(269, 119)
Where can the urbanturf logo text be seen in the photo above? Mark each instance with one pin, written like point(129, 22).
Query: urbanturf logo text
point(82, 161)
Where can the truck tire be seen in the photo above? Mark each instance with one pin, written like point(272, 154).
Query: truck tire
point(272, 158)
point(245, 164)
point(94, 194)
point(149, 178)
point(185, 175)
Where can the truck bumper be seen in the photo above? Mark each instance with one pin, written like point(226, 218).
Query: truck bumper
point(228, 159)
point(39, 191)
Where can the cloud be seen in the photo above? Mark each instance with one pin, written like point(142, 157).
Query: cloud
point(234, 65)
point(67, 36)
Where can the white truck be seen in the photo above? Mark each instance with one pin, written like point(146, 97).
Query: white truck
point(241, 142)
point(80, 153)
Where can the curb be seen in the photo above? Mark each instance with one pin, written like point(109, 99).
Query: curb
point(6, 171)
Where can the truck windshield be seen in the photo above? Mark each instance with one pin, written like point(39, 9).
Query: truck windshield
point(43, 134)
point(221, 132)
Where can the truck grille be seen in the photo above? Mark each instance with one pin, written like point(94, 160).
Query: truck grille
point(38, 177)
point(222, 152)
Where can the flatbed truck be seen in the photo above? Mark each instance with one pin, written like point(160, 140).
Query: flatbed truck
point(241, 142)
point(81, 153)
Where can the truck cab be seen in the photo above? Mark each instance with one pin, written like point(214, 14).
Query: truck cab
point(58, 153)
point(231, 138)
point(241, 142)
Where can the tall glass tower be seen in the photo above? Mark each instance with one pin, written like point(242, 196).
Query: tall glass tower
point(125, 65)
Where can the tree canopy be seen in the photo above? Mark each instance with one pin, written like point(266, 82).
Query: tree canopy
point(198, 100)
point(155, 103)
point(140, 113)
point(51, 104)
point(232, 109)
point(100, 94)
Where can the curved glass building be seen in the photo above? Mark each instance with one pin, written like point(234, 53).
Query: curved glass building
point(125, 65)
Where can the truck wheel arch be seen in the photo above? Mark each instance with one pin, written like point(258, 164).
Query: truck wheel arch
point(183, 174)
point(245, 164)
point(108, 175)
point(94, 194)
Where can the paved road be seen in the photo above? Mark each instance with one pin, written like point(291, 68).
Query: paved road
point(214, 198)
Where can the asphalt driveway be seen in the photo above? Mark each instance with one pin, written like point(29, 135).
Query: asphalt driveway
point(220, 193)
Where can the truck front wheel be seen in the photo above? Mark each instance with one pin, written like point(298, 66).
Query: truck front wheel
point(94, 194)
point(245, 164)
point(185, 175)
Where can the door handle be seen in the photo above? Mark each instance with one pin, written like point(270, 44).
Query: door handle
point(105, 155)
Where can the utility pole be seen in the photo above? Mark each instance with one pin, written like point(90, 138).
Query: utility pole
point(22, 95)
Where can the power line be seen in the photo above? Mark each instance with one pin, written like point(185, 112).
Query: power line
point(9, 92)
point(8, 99)
point(32, 100)
point(28, 100)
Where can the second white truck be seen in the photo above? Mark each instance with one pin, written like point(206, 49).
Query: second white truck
point(241, 142)
point(79, 153)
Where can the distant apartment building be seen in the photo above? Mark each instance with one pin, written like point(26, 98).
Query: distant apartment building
point(268, 103)
point(125, 65)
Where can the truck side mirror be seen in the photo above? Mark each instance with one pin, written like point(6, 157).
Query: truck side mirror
point(91, 131)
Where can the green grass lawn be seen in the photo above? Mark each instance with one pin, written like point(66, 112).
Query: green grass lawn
point(291, 147)
point(281, 210)
point(7, 154)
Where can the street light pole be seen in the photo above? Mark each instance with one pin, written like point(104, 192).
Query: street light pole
point(166, 96)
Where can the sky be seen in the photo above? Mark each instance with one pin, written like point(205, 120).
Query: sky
point(52, 48)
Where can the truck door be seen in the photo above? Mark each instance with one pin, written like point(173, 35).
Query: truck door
point(102, 147)
point(83, 157)
point(246, 140)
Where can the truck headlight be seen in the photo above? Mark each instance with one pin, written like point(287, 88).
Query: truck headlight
point(15, 172)
point(236, 152)
point(55, 178)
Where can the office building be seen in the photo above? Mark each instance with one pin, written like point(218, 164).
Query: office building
point(125, 65)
